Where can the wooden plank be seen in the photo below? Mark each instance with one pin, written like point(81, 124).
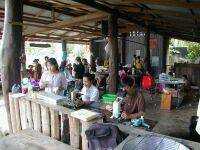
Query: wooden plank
point(71, 22)
point(31, 140)
point(45, 120)
point(65, 129)
point(61, 109)
point(23, 115)
point(55, 130)
point(17, 114)
point(36, 113)
point(12, 115)
point(74, 125)
point(29, 114)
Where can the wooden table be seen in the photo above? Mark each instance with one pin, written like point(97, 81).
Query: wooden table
point(31, 140)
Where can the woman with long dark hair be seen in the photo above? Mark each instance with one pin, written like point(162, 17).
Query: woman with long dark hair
point(54, 80)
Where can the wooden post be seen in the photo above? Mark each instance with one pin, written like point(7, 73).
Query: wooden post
point(12, 115)
point(17, 114)
point(123, 53)
point(148, 53)
point(165, 52)
point(36, 113)
point(23, 73)
point(113, 58)
point(55, 132)
point(11, 49)
point(64, 50)
point(23, 116)
point(29, 114)
point(74, 126)
point(45, 120)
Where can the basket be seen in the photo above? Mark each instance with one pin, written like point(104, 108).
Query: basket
point(109, 98)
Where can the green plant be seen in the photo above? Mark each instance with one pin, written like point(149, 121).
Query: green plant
point(193, 51)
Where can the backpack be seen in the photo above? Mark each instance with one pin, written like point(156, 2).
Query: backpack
point(102, 136)
point(147, 82)
point(16, 88)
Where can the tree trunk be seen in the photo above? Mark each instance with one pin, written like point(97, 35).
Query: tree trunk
point(11, 49)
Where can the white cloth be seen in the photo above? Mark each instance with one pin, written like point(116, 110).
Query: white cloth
point(198, 121)
point(91, 94)
point(53, 80)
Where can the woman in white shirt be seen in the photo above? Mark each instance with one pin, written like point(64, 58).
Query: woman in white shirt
point(53, 79)
point(90, 92)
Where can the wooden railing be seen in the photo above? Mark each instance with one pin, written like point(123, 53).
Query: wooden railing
point(27, 112)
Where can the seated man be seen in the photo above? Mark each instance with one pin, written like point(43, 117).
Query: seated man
point(90, 92)
point(134, 104)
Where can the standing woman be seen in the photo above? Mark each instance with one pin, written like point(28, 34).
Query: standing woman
point(54, 79)
point(37, 70)
point(79, 70)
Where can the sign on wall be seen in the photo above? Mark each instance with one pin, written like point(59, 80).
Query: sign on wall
point(153, 43)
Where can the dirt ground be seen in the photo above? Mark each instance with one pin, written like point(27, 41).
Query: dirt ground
point(173, 123)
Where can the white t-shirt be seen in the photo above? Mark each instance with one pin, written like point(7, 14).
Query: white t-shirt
point(198, 121)
point(91, 94)
point(54, 80)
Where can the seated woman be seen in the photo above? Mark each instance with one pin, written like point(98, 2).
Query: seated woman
point(134, 104)
point(53, 80)
point(90, 92)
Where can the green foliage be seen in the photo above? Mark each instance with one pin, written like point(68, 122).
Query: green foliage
point(193, 51)
point(193, 48)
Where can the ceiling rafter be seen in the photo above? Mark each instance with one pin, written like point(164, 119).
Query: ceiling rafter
point(172, 3)
point(71, 22)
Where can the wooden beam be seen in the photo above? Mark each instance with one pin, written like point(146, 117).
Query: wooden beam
point(158, 12)
point(57, 39)
point(172, 3)
point(113, 52)
point(165, 51)
point(65, 11)
point(71, 22)
point(123, 49)
point(148, 52)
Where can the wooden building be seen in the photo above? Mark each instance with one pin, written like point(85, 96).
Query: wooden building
point(80, 21)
